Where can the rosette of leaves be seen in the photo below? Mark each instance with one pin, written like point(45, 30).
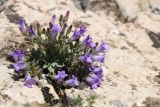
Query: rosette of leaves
point(62, 55)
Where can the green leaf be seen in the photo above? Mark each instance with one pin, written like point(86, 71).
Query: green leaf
point(78, 101)
point(51, 69)
point(46, 65)
point(55, 64)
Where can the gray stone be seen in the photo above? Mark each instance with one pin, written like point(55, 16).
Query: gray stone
point(117, 103)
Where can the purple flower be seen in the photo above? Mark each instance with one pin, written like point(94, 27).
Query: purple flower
point(18, 55)
point(31, 31)
point(55, 29)
point(96, 70)
point(86, 58)
point(88, 41)
point(99, 58)
point(90, 80)
point(22, 25)
point(19, 66)
point(95, 86)
point(72, 82)
point(30, 81)
point(78, 33)
point(52, 21)
point(93, 80)
point(102, 48)
point(60, 76)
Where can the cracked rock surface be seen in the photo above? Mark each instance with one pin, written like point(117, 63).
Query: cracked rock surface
point(131, 28)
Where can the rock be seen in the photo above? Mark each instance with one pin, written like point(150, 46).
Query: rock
point(155, 38)
point(23, 95)
point(152, 102)
point(154, 4)
point(134, 105)
point(134, 87)
point(14, 93)
point(131, 52)
point(149, 21)
point(131, 8)
point(149, 102)
point(116, 103)
point(157, 79)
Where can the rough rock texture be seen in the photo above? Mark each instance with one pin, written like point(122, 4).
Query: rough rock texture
point(131, 8)
point(131, 64)
point(153, 21)
point(14, 94)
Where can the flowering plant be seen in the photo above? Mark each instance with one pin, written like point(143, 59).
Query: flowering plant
point(62, 56)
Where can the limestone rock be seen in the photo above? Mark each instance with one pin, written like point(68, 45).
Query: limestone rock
point(149, 21)
point(15, 94)
point(130, 8)
point(131, 53)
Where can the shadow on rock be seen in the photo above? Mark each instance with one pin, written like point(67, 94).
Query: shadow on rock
point(48, 97)
point(9, 11)
point(110, 7)
point(155, 39)
point(11, 14)
point(2, 4)
point(157, 78)
point(150, 102)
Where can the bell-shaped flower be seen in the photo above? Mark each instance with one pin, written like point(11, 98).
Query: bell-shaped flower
point(55, 29)
point(19, 66)
point(88, 42)
point(86, 58)
point(93, 80)
point(31, 31)
point(52, 21)
point(95, 86)
point(72, 82)
point(99, 58)
point(18, 55)
point(102, 48)
point(96, 70)
point(60, 76)
point(78, 33)
point(22, 25)
point(30, 81)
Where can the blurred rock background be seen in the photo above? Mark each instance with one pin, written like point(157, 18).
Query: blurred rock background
point(130, 27)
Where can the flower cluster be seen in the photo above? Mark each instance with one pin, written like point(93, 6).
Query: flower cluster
point(95, 74)
point(67, 58)
point(19, 58)
point(20, 66)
